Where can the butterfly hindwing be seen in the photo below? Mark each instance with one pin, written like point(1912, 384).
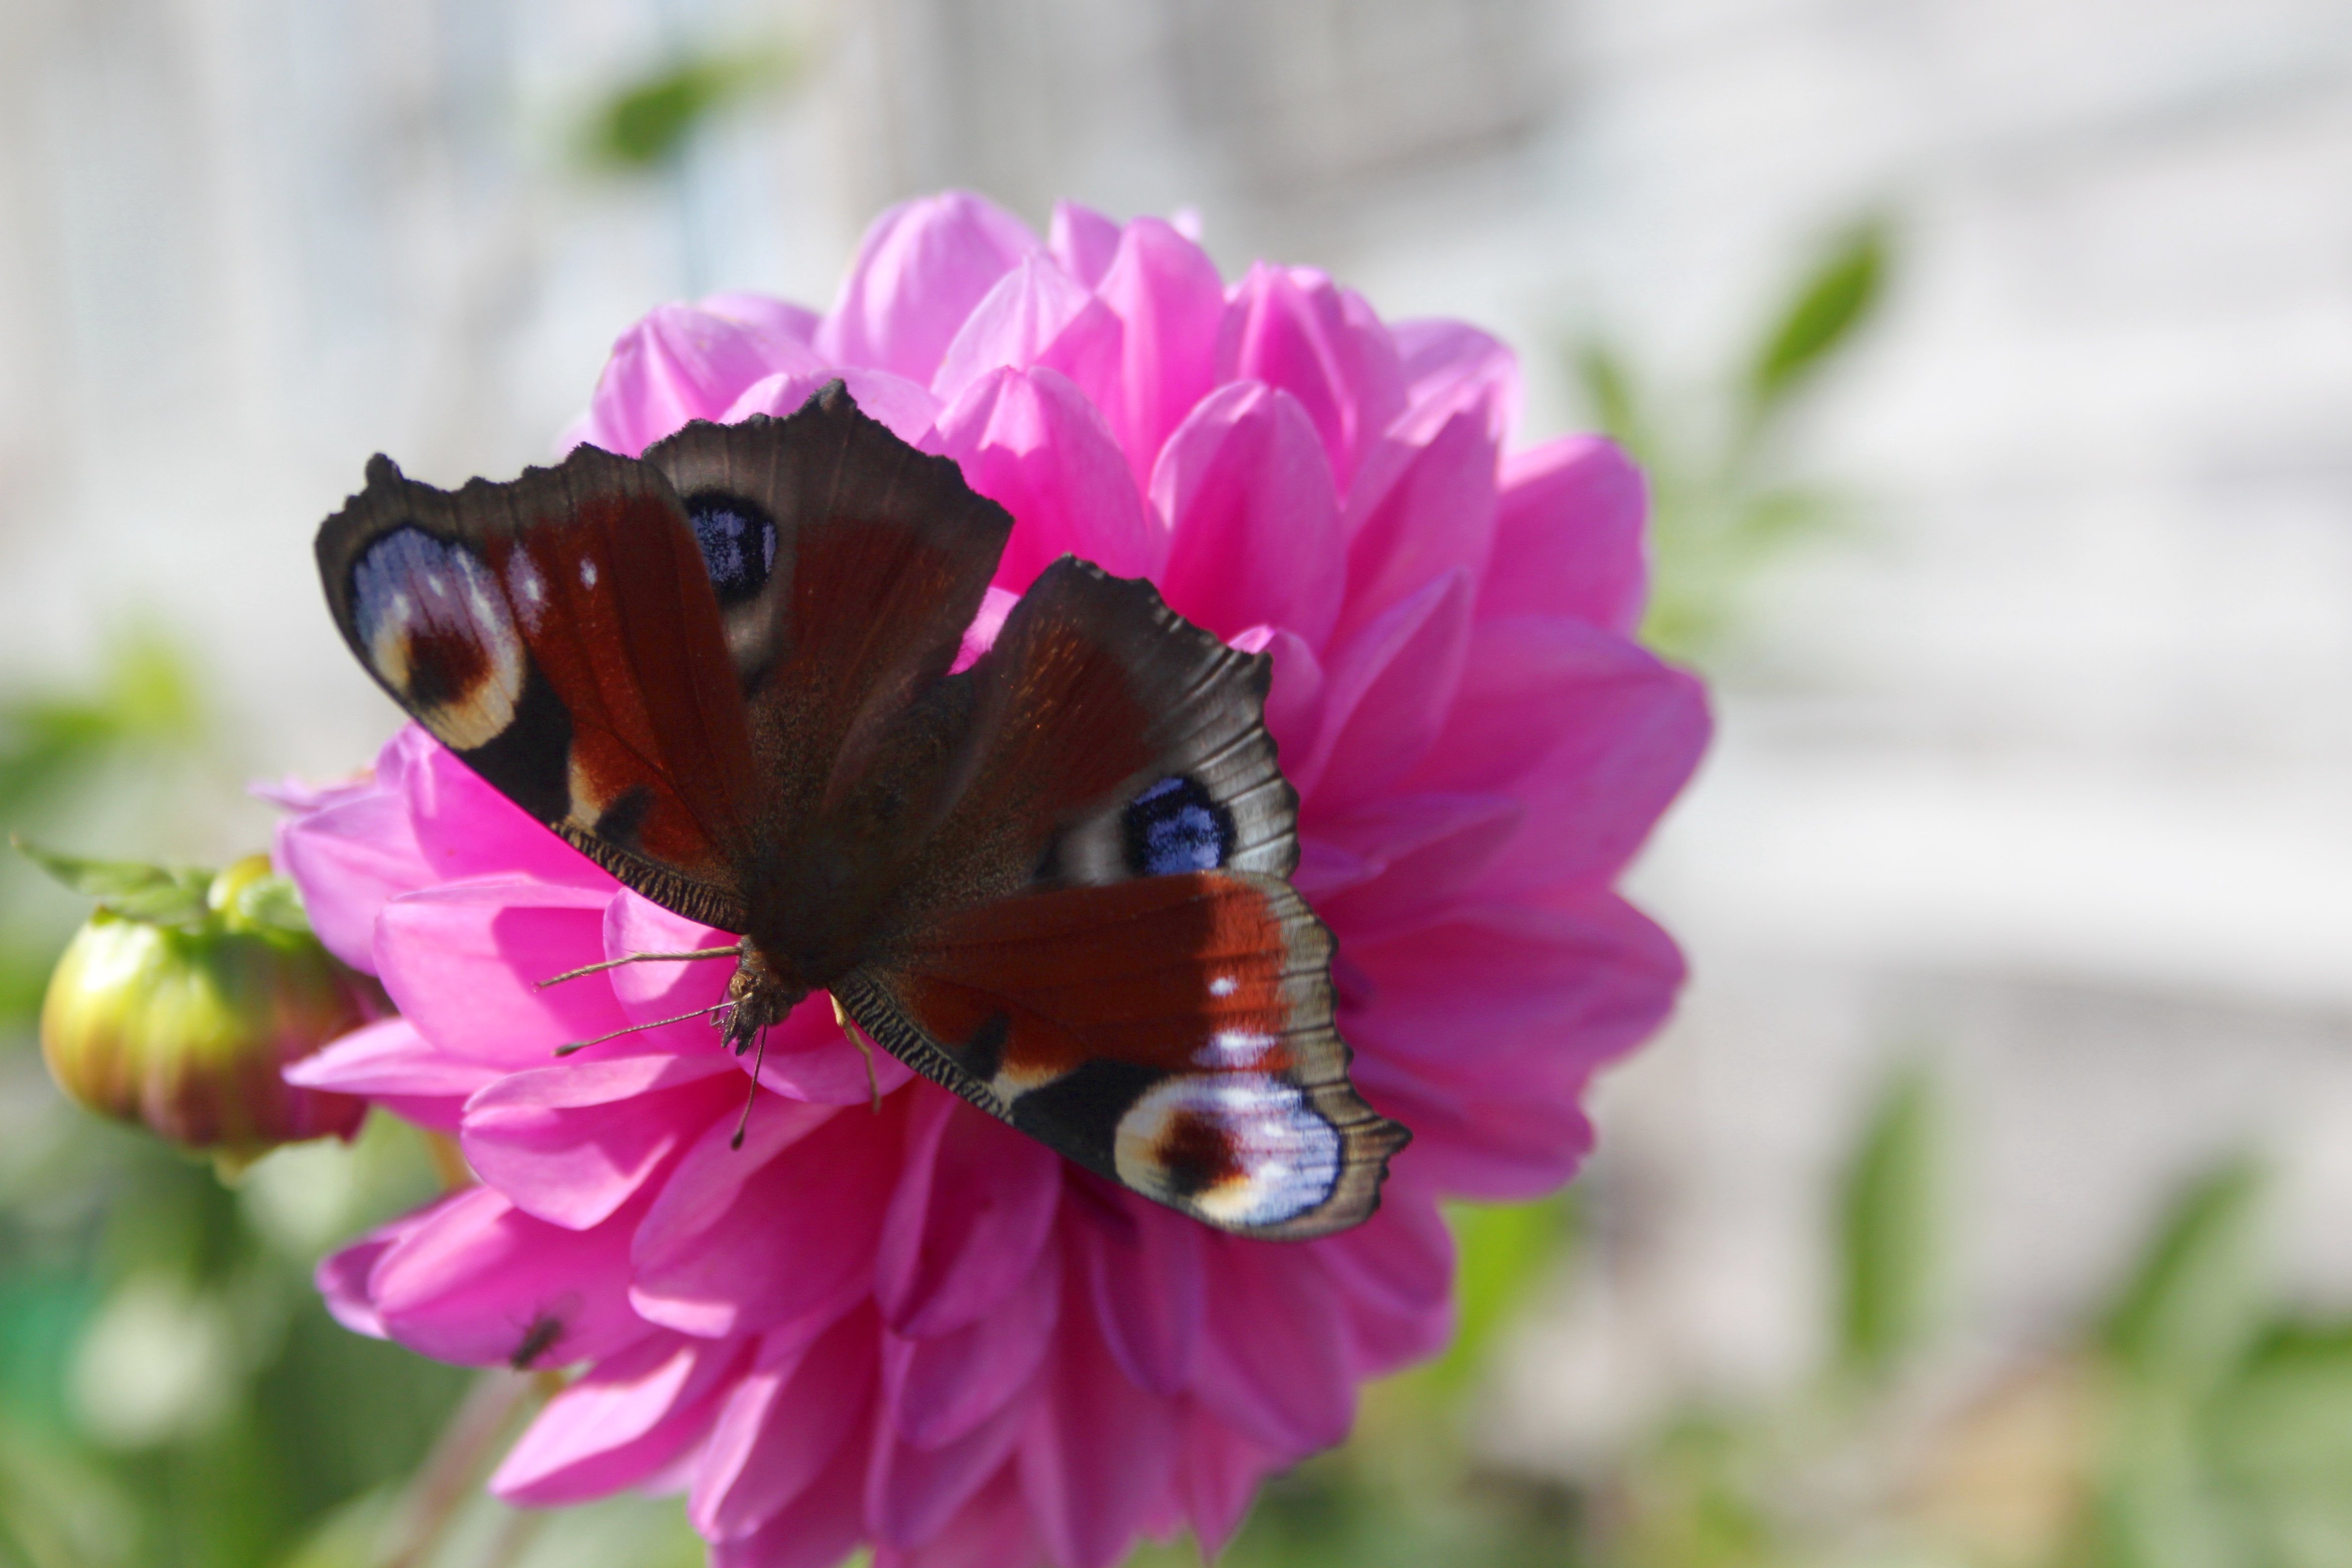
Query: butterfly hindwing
point(560, 634)
point(1172, 1033)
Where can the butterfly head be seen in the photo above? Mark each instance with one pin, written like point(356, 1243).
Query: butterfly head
point(757, 995)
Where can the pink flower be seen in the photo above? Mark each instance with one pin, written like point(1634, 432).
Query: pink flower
point(916, 1328)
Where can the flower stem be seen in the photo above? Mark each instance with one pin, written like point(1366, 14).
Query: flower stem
point(451, 1471)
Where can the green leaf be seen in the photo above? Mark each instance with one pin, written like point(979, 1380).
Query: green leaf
point(650, 121)
point(1890, 1225)
point(1607, 385)
point(161, 895)
point(1829, 305)
point(2195, 1303)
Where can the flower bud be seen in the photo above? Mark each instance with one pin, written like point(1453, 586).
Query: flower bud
point(182, 1000)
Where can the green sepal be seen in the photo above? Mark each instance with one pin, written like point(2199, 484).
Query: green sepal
point(134, 890)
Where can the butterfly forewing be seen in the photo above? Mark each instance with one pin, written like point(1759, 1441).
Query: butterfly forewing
point(560, 634)
point(847, 565)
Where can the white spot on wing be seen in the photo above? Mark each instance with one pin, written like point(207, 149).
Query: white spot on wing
point(1231, 1048)
point(1223, 985)
point(1285, 1157)
point(412, 588)
point(528, 588)
point(587, 573)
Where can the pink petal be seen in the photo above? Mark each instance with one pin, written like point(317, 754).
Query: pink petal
point(628, 1417)
point(1420, 510)
point(991, 1531)
point(912, 1494)
point(1145, 1282)
point(1253, 520)
point(1568, 536)
point(571, 1144)
point(981, 636)
point(974, 1204)
point(1423, 852)
point(939, 1389)
point(784, 1424)
point(1290, 327)
point(1031, 441)
point(1386, 695)
point(924, 265)
point(354, 853)
point(678, 364)
point(1578, 986)
point(1269, 1362)
point(1098, 1453)
point(809, 1058)
point(477, 1275)
point(1450, 365)
point(1618, 735)
point(906, 407)
point(466, 828)
point(779, 320)
point(817, 1529)
point(1294, 703)
point(390, 1063)
point(1170, 300)
point(1398, 1266)
point(1082, 241)
point(1037, 314)
point(463, 962)
point(1500, 1137)
point(1218, 1475)
point(633, 924)
point(342, 1276)
point(799, 1229)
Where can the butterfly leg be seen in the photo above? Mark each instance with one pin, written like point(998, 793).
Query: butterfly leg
point(850, 1032)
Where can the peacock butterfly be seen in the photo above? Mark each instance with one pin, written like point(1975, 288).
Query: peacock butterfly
point(1055, 882)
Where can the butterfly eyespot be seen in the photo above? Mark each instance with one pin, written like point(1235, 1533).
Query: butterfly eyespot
point(1176, 826)
point(738, 539)
point(1242, 1148)
point(437, 630)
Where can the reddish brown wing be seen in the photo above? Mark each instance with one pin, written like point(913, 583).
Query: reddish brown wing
point(847, 565)
point(1171, 1033)
point(1097, 944)
point(560, 634)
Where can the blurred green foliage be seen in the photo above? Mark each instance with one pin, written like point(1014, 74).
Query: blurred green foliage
point(1722, 503)
point(647, 123)
point(1889, 1218)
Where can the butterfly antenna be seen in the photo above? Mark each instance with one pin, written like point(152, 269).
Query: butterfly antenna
point(735, 951)
point(566, 1050)
point(849, 1031)
point(752, 1096)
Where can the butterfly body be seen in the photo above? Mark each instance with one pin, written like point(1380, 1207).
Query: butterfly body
point(1054, 881)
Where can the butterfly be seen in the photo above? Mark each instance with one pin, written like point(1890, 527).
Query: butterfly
point(1055, 882)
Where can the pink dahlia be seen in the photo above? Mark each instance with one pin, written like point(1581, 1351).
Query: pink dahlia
point(915, 1327)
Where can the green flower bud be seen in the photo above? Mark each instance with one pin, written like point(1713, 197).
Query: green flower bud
point(185, 995)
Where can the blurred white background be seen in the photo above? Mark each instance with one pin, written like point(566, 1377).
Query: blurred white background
point(2043, 766)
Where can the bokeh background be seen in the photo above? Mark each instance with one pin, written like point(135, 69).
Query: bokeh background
point(1989, 1202)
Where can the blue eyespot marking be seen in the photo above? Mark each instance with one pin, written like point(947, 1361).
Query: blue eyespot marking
point(1176, 826)
point(739, 543)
